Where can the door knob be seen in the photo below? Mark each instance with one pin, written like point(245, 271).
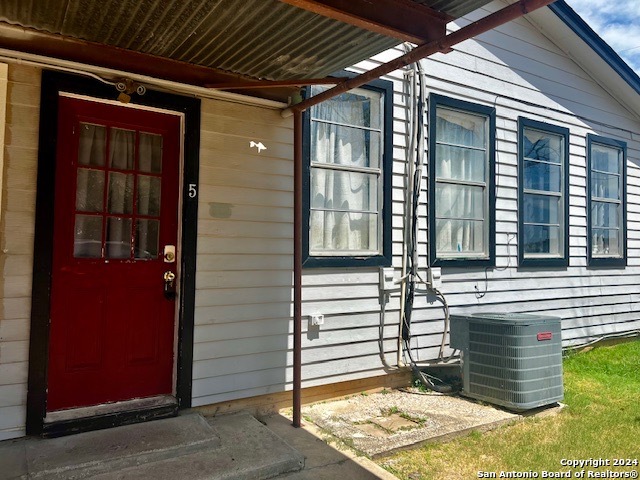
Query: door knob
point(169, 285)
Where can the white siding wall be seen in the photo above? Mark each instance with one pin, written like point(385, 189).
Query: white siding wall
point(517, 70)
point(244, 336)
point(245, 245)
point(16, 244)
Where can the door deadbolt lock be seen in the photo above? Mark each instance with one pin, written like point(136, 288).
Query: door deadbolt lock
point(169, 285)
point(169, 253)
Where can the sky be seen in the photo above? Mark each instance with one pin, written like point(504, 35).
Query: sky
point(617, 22)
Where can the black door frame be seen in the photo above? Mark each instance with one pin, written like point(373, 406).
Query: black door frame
point(53, 83)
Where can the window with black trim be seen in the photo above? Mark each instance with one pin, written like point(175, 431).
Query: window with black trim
point(606, 201)
point(461, 182)
point(347, 187)
point(543, 194)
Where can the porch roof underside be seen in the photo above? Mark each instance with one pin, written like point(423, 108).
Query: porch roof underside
point(249, 40)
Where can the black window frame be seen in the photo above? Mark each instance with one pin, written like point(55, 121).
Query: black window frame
point(435, 101)
point(357, 260)
point(523, 261)
point(620, 261)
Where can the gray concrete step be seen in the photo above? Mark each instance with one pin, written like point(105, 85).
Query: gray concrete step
point(233, 447)
point(86, 454)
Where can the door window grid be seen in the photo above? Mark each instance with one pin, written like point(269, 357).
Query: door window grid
point(129, 225)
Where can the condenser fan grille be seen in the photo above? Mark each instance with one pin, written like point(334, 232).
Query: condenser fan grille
point(510, 360)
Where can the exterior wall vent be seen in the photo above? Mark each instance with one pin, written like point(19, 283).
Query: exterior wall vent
point(512, 360)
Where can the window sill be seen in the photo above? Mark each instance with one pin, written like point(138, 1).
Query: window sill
point(346, 261)
point(607, 262)
point(543, 262)
point(463, 262)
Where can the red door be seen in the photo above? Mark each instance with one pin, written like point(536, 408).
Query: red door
point(116, 209)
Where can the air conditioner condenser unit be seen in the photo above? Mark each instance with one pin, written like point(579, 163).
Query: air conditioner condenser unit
point(512, 360)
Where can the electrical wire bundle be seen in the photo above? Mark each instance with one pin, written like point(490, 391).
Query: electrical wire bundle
point(411, 276)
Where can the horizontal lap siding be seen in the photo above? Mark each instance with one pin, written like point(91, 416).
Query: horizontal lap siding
point(244, 328)
point(243, 317)
point(16, 244)
point(243, 337)
point(245, 246)
point(522, 74)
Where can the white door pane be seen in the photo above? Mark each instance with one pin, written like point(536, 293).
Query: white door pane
point(89, 190)
point(87, 242)
point(149, 195)
point(150, 156)
point(118, 237)
point(120, 193)
point(121, 148)
point(147, 233)
point(92, 147)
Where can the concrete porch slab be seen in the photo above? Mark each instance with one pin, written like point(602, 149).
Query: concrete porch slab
point(401, 419)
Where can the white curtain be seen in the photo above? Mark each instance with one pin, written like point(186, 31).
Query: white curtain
point(92, 144)
point(455, 234)
point(90, 193)
point(121, 147)
point(121, 156)
point(90, 185)
point(149, 194)
point(150, 153)
point(336, 193)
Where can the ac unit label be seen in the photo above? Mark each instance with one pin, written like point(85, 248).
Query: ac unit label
point(544, 336)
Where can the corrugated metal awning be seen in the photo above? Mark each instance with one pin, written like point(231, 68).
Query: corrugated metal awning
point(207, 42)
point(455, 8)
point(263, 39)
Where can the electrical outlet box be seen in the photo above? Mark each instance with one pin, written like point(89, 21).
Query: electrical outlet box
point(387, 281)
point(434, 277)
point(317, 319)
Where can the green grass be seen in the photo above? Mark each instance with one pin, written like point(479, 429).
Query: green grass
point(602, 420)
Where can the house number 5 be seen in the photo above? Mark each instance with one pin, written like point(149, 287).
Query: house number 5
point(192, 190)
